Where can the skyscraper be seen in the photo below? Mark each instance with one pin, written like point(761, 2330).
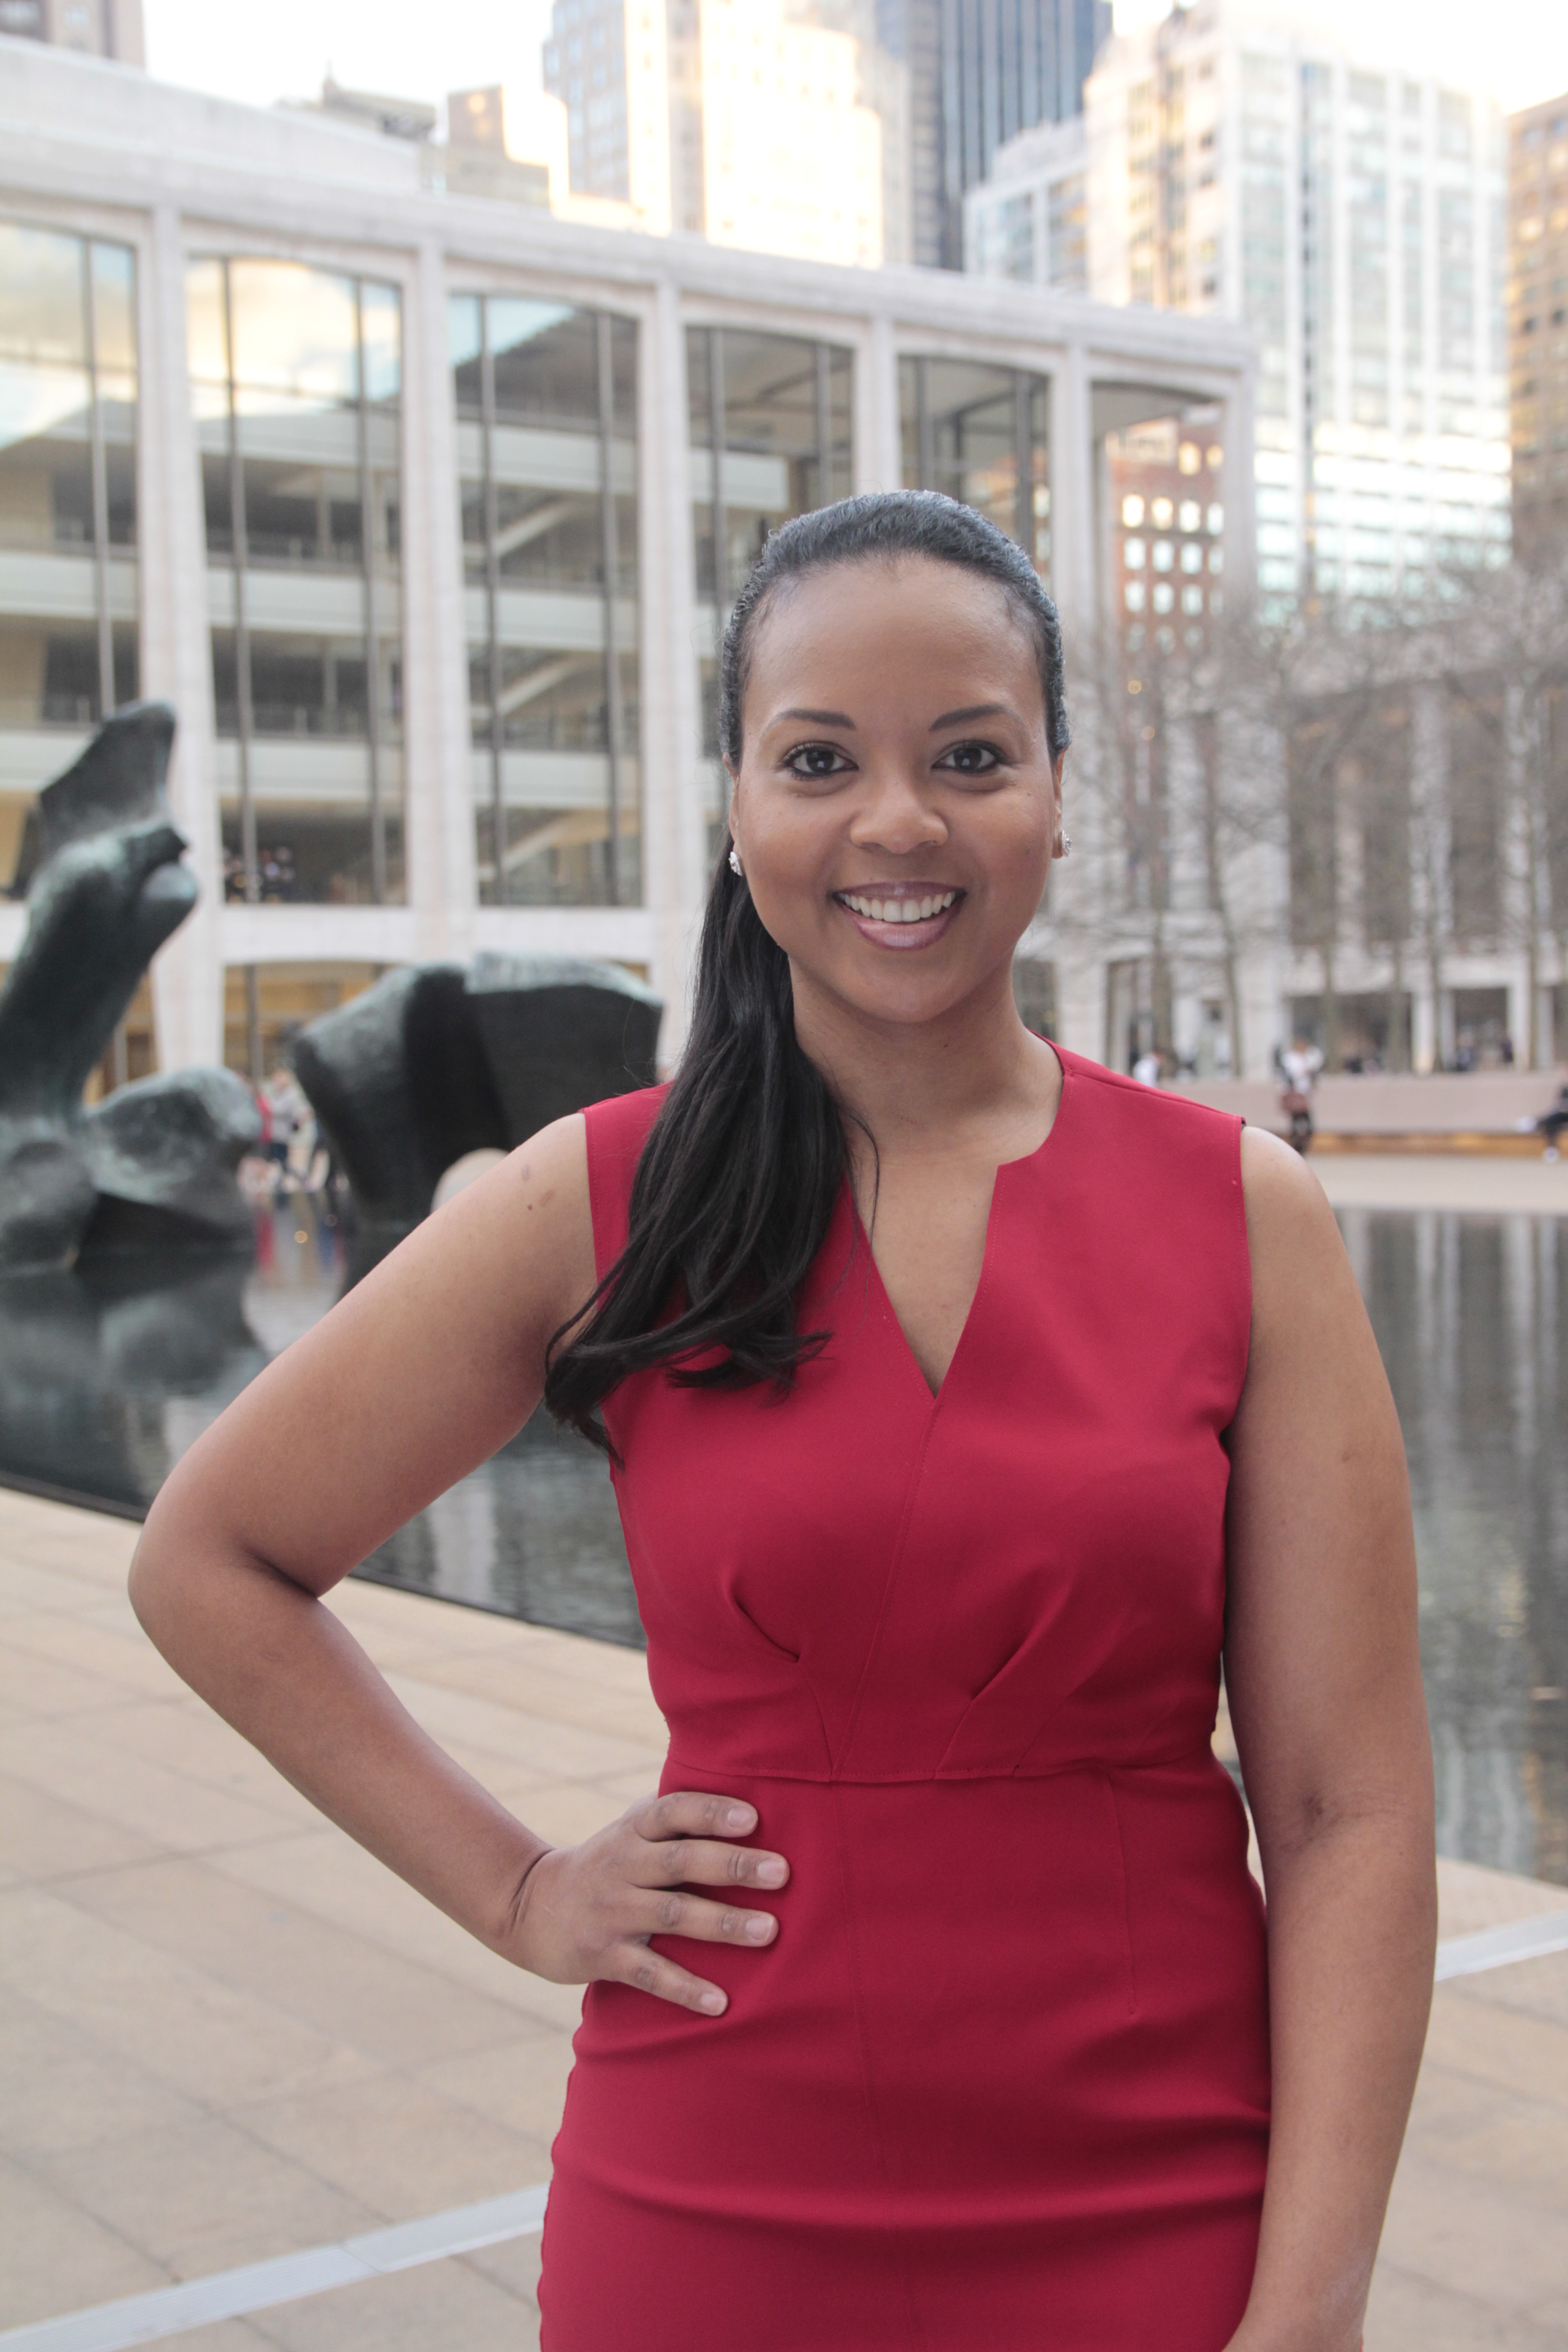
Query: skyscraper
point(1538, 326)
point(754, 122)
point(1353, 216)
point(980, 72)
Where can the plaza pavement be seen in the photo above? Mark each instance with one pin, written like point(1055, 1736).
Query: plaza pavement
point(1483, 1182)
point(226, 2035)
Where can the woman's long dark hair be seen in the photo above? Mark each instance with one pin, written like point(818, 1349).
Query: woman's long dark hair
point(742, 1167)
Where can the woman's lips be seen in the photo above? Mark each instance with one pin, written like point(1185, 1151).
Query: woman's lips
point(894, 923)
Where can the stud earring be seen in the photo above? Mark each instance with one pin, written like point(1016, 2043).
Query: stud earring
point(1067, 845)
point(735, 861)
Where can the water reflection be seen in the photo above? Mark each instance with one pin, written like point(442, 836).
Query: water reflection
point(1471, 1313)
point(106, 1379)
point(106, 1376)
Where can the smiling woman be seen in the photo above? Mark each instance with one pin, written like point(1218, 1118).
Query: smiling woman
point(964, 1402)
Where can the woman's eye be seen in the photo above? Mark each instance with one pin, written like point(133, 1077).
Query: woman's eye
point(816, 759)
point(972, 759)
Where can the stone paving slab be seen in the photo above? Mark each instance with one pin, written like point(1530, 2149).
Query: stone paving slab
point(227, 2034)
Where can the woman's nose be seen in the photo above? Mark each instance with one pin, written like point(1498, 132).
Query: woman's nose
point(896, 816)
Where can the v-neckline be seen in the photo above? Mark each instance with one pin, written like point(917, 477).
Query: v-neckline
point(934, 1396)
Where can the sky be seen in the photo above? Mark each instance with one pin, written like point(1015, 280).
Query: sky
point(1518, 48)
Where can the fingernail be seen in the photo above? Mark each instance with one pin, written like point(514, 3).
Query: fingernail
point(759, 1928)
point(771, 1873)
point(713, 2002)
point(740, 1817)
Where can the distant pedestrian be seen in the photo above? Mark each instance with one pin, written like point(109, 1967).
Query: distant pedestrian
point(1146, 1069)
point(1553, 1122)
point(1300, 1067)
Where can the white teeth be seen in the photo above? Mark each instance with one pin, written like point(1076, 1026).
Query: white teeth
point(900, 910)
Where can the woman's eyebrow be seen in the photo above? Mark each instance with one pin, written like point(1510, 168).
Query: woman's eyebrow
point(973, 711)
point(818, 717)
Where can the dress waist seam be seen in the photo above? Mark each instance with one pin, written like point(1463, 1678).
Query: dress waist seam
point(1115, 1767)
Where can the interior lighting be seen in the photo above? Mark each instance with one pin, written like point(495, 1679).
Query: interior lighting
point(1160, 514)
point(1132, 510)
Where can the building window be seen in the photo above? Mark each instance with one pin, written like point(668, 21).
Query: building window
point(769, 420)
point(1152, 469)
point(983, 434)
point(295, 376)
point(68, 588)
point(547, 455)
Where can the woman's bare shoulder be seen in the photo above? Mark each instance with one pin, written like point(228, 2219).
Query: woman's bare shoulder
point(1305, 1301)
point(516, 1246)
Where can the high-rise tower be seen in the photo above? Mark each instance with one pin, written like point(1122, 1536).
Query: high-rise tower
point(979, 72)
point(1538, 326)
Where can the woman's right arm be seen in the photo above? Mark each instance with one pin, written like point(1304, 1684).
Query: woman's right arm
point(412, 1380)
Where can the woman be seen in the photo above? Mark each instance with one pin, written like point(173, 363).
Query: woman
point(963, 1400)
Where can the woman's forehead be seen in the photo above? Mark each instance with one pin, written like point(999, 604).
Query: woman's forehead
point(913, 610)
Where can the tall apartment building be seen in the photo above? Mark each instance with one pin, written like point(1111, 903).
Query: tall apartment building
point(1029, 220)
point(1538, 327)
point(97, 28)
point(980, 73)
point(749, 121)
point(1239, 163)
point(836, 130)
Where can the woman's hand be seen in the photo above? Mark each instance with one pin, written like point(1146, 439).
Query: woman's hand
point(585, 1913)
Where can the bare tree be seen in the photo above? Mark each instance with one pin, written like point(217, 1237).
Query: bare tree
point(1502, 656)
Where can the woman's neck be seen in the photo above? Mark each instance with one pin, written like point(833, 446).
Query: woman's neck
point(973, 1081)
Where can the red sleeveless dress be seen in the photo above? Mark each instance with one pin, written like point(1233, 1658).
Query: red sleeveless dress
point(1001, 2083)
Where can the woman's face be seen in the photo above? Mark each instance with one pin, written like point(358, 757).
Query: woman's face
point(897, 805)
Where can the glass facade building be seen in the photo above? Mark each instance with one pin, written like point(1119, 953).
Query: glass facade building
point(69, 591)
point(426, 514)
point(545, 397)
point(983, 434)
point(770, 425)
point(296, 374)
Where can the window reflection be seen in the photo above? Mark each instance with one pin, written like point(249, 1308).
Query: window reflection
point(771, 438)
point(297, 378)
point(776, 410)
point(547, 452)
point(982, 436)
point(1149, 466)
point(69, 648)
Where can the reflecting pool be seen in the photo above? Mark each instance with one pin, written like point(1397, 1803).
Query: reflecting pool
point(106, 1378)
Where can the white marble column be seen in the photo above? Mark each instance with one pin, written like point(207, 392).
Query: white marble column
point(438, 761)
point(176, 654)
point(878, 453)
point(1240, 489)
point(1073, 459)
point(675, 852)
